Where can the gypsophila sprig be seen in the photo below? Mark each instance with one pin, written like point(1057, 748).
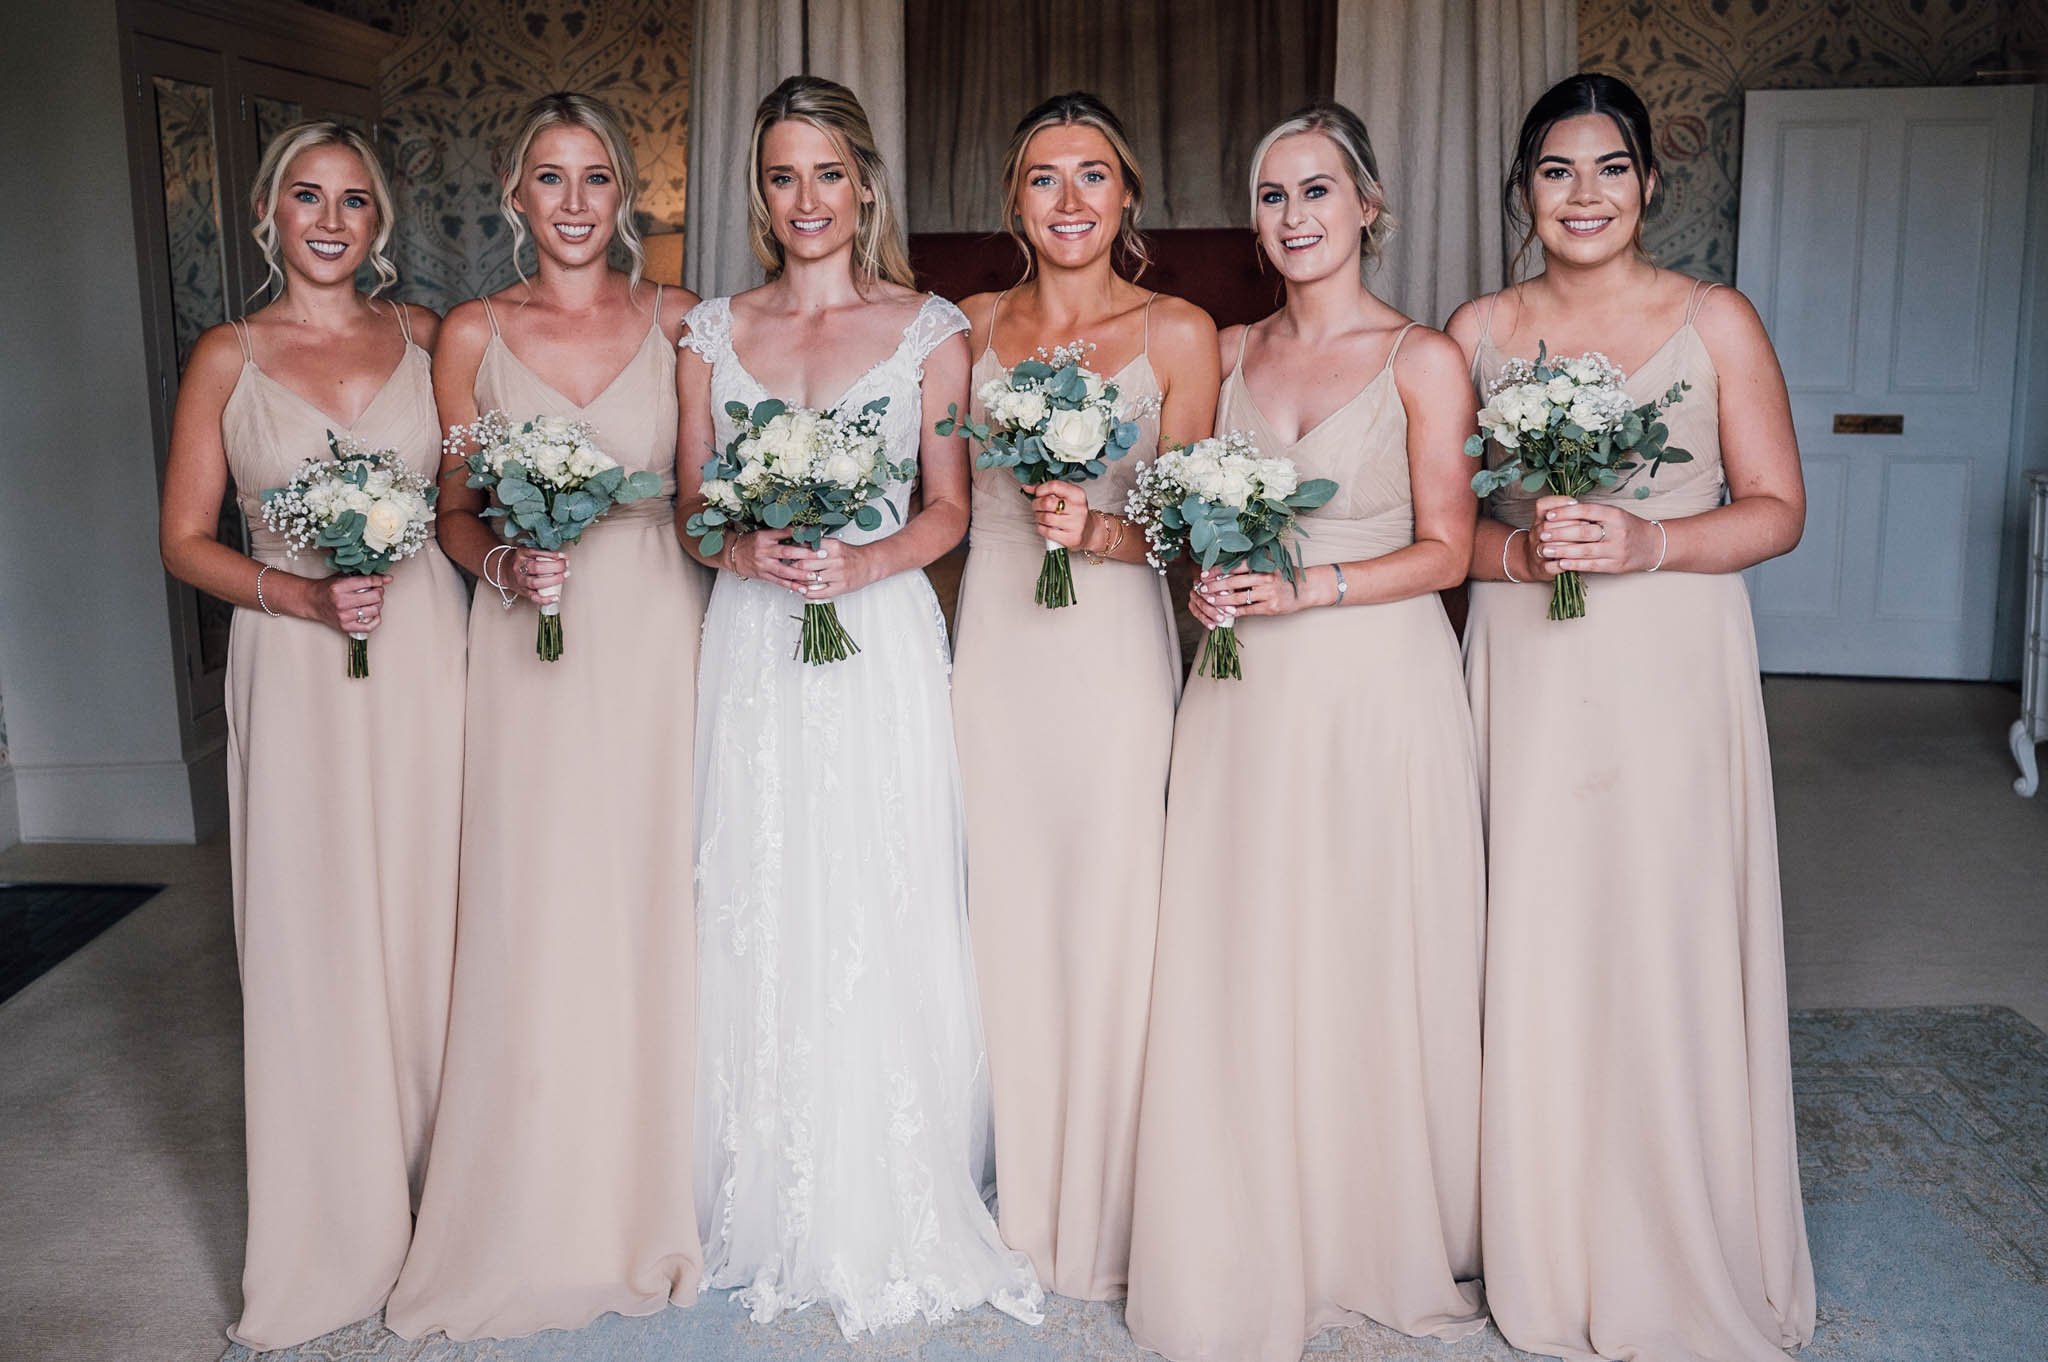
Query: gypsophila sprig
point(807, 474)
point(363, 508)
point(549, 482)
point(1220, 503)
point(1566, 426)
point(1051, 419)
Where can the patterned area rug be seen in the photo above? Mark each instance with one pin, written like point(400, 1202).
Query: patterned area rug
point(1924, 1148)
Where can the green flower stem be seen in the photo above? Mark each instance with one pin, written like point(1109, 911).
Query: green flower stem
point(1568, 597)
point(1055, 579)
point(548, 642)
point(358, 656)
point(824, 638)
point(1220, 658)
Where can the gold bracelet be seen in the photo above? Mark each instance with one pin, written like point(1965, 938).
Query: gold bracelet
point(1117, 541)
point(1095, 556)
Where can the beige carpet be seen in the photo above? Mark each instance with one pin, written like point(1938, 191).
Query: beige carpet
point(1913, 875)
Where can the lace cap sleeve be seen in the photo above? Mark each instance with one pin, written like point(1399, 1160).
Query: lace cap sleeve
point(707, 329)
point(935, 321)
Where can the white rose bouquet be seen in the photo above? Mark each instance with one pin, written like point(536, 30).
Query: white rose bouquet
point(364, 507)
point(549, 483)
point(1217, 501)
point(1050, 420)
point(1566, 426)
point(808, 473)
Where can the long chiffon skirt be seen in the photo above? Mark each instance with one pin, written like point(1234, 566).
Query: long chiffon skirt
point(1308, 1138)
point(1065, 840)
point(558, 1187)
point(1639, 1170)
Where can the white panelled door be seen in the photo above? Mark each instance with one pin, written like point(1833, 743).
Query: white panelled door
point(1882, 234)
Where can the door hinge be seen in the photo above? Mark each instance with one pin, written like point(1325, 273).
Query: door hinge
point(138, 85)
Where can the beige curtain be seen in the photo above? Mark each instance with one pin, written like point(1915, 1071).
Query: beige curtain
point(743, 49)
point(1443, 86)
point(1196, 83)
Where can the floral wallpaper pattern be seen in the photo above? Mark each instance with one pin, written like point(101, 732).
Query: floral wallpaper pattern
point(464, 67)
point(1692, 61)
point(455, 85)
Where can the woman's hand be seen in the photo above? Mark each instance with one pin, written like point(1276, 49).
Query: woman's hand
point(1061, 510)
point(352, 605)
point(837, 569)
point(529, 572)
point(1578, 536)
point(1220, 597)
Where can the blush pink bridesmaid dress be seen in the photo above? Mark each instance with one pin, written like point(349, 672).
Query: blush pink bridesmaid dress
point(344, 800)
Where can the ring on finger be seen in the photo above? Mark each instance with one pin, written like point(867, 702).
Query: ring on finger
point(1059, 506)
point(1603, 531)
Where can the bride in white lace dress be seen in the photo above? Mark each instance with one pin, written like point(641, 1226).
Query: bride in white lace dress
point(842, 1091)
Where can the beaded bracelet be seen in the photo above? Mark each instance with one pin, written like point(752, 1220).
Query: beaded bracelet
point(274, 614)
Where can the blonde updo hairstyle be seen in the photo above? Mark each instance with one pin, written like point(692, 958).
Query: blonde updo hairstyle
point(568, 108)
point(270, 172)
point(1078, 108)
point(879, 251)
point(1346, 132)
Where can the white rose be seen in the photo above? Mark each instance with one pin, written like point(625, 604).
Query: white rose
point(1589, 413)
point(1234, 488)
point(1561, 390)
point(1278, 477)
point(718, 492)
point(1077, 436)
point(383, 525)
point(843, 470)
point(356, 499)
point(751, 476)
point(1094, 383)
point(1024, 408)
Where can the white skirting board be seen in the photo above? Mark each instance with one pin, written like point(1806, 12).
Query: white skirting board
point(151, 802)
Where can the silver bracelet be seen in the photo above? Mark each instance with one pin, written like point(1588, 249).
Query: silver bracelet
point(265, 605)
point(1667, 544)
point(1342, 585)
point(505, 597)
point(1505, 545)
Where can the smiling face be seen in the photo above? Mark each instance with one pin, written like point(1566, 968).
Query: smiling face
point(569, 192)
point(325, 215)
point(1310, 217)
point(1071, 195)
point(812, 190)
point(1586, 194)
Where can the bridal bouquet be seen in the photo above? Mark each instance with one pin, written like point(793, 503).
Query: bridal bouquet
point(808, 473)
point(364, 507)
point(1567, 427)
point(1219, 502)
point(548, 483)
point(1049, 420)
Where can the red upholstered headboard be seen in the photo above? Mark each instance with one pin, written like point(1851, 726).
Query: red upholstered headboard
point(1216, 268)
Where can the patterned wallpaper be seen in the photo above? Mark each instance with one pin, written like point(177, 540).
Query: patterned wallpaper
point(464, 67)
point(1692, 61)
point(454, 86)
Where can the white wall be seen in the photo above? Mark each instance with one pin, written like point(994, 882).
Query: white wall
point(86, 658)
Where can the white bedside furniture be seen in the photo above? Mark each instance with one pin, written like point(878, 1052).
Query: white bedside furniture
point(2032, 725)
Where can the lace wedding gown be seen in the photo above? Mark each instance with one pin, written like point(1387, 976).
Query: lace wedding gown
point(842, 1086)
